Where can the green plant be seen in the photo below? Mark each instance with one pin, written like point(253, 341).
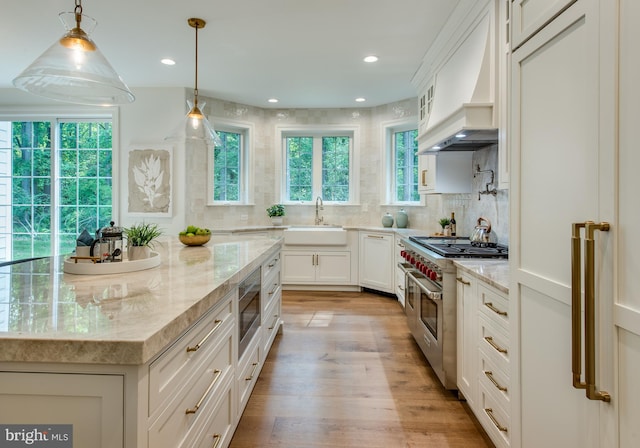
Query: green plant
point(275, 210)
point(444, 222)
point(142, 234)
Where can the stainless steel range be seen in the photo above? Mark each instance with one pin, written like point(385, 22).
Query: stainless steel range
point(430, 296)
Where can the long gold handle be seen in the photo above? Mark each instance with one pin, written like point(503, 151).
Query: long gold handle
point(489, 374)
point(494, 309)
point(489, 413)
point(377, 237)
point(589, 309)
point(424, 178)
point(218, 322)
point(590, 312)
point(489, 339)
point(217, 438)
point(194, 409)
point(459, 279)
point(275, 321)
point(250, 377)
point(275, 288)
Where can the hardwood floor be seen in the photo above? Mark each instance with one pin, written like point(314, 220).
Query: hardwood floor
point(347, 373)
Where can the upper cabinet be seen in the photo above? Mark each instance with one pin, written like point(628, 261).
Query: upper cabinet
point(529, 17)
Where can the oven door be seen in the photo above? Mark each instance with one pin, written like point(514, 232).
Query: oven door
point(428, 333)
point(412, 297)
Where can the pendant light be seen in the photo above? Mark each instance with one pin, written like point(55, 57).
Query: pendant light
point(195, 125)
point(74, 70)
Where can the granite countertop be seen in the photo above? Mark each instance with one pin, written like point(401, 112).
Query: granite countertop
point(493, 272)
point(47, 315)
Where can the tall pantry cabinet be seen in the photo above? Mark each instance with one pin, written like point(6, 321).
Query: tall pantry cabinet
point(574, 108)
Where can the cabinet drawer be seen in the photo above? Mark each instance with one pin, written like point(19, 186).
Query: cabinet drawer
point(270, 267)
point(193, 403)
point(176, 365)
point(271, 321)
point(494, 419)
point(494, 379)
point(248, 370)
point(494, 305)
point(271, 289)
point(494, 342)
point(215, 431)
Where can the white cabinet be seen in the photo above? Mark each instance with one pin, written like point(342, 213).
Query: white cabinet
point(531, 16)
point(91, 403)
point(445, 172)
point(564, 161)
point(316, 267)
point(377, 260)
point(484, 355)
point(399, 273)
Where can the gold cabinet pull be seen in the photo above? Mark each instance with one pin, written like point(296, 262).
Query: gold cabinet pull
point(194, 409)
point(253, 371)
point(275, 321)
point(218, 322)
point(275, 288)
point(423, 178)
point(275, 262)
point(217, 437)
point(494, 309)
point(489, 339)
point(464, 282)
point(489, 413)
point(589, 384)
point(377, 237)
point(489, 374)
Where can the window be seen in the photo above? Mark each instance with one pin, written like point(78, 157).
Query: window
point(229, 171)
point(55, 182)
point(405, 166)
point(318, 164)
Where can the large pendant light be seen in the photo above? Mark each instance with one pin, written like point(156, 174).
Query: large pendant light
point(195, 125)
point(74, 70)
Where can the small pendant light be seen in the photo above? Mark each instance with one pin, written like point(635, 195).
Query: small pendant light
point(74, 70)
point(195, 125)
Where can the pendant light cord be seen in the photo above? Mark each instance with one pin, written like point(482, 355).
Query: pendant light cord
point(195, 91)
point(78, 13)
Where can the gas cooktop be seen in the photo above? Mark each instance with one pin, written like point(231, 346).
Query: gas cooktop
point(459, 247)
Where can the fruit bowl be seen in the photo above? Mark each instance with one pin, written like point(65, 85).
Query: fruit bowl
point(195, 240)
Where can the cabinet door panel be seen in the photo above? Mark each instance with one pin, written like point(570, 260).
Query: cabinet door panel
point(334, 267)
point(298, 267)
point(529, 16)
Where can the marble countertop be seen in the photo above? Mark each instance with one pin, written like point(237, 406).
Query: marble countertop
point(47, 315)
point(493, 272)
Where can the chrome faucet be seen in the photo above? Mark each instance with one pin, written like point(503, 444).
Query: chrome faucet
point(319, 218)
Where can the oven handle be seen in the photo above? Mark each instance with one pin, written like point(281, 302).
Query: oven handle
point(433, 295)
point(405, 269)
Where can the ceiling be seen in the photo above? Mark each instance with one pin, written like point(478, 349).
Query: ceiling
point(305, 53)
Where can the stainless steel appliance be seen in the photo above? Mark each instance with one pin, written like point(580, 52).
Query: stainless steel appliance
point(430, 296)
point(248, 309)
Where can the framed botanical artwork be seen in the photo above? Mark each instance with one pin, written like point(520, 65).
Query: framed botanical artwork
point(150, 180)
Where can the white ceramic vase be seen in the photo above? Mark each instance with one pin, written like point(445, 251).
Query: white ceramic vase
point(276, 220)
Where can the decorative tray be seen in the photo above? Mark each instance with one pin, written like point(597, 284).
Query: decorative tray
point(86, 267)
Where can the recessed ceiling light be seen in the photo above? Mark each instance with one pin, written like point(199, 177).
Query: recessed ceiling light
point(273, 100)
point(167, 61)
point(361, 100)
point(461, 135)
point(371, 58)
point(435, 147)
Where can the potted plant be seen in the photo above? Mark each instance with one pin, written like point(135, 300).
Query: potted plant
point(140, 239)
point(444, 222)
point(276, 212)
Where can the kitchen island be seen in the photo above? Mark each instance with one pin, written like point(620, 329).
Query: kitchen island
point(139, 359)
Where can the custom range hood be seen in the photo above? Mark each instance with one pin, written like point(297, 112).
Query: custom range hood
point(461, 116)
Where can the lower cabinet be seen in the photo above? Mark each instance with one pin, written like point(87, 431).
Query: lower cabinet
point(316, 267)
point(484, 354)
point(377, 260)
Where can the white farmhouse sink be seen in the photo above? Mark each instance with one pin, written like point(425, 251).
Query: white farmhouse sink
point(315, 236)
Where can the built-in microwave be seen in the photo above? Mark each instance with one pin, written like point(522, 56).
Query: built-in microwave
point(248, 309)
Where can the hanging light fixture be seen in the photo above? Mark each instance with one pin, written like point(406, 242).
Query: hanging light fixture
point(73, 69)
point(195, 125)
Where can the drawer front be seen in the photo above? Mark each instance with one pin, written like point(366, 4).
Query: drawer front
point(248, 371)
point(192, 404)
point(271, 290)
point(271, 322)
point(494, 419)
point(494, 305)
point(494, 379)
point(175, 366)
point(270, 267)
point(494, 342)
point(215, 430)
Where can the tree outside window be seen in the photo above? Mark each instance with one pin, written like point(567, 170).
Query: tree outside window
point(405, 161)
point(227, 167)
